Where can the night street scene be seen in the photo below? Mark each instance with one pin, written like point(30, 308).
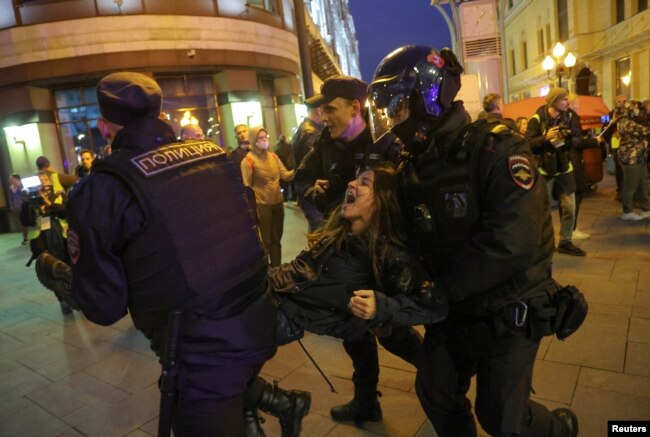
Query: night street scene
point(324, 218)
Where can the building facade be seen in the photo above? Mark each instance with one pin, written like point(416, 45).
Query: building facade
point(219, 63)
point(610, 39)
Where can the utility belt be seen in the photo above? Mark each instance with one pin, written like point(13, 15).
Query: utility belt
point(550, 309)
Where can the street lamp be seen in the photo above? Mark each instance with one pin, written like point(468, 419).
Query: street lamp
point(549, 62)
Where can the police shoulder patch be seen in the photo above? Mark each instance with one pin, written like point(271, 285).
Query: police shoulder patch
point(521, 171)
point(74, 246)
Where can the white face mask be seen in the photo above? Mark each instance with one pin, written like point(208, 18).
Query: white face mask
point(263, 145)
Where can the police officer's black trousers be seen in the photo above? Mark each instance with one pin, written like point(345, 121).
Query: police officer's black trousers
point(207, 411)
point(405, 342)
point(458, 349)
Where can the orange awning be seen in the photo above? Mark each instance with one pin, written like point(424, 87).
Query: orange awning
point(591, 109)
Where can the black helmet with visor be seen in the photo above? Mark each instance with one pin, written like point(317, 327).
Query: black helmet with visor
point(412, 79)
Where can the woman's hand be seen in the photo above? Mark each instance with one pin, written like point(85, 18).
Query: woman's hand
point(363, 304)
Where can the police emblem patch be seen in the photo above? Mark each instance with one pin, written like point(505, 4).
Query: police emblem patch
point(74, 247)
point(520, 171)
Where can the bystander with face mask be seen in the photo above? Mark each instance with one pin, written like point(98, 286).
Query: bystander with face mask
point(262, 171)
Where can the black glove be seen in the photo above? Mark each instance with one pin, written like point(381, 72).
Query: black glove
point(431, 298)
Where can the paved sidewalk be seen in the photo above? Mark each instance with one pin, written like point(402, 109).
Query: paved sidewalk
point(64, 376)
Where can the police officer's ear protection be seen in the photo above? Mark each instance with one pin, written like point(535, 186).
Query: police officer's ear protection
point(450, 78)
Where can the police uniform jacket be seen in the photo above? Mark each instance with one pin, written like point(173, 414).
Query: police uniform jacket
point(338, 162)
point(480, 212)
point(149, 233)
point(314, 291)
point(304, 138)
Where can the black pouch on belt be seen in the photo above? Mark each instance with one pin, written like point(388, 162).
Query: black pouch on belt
point(572, 310)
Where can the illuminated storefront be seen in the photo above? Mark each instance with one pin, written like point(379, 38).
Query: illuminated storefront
point(219, 63)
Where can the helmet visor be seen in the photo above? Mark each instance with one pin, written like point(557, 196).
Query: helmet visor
point(388, 106)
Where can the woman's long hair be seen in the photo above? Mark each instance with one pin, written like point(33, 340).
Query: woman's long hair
point(385, 225)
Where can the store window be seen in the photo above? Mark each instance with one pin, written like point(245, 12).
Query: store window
point(620, 11)
point(269, 5)
point(191, 98)
point(562, 20)
point(77, 114)
point(623, 77)
point(524, 54)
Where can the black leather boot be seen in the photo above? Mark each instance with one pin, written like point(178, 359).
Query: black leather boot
point(566, 423)
point(56, 276)
point(252, 426)
point(290, 406)
point(364, 407)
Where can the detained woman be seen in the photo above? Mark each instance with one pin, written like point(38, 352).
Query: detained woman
point(357, 273)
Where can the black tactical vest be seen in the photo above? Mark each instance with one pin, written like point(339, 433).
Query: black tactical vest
point(200, 247)
point(441, 199)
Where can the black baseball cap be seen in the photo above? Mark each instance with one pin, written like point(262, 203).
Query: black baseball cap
point(345, 87)
point(42, 162)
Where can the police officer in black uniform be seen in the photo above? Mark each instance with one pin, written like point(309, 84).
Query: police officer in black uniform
point(343, 147)
point(149, 234)
point(480, 214)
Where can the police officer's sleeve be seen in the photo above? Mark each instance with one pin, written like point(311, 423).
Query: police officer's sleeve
point(514, 232)
point(403, 278)
point(103, 216)
point(309, 170)
point(401, 310)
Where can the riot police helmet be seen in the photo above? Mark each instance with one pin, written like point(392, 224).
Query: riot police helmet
point(412, 83)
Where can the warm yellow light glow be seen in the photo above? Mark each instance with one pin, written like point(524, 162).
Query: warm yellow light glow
point(548, 63)
point(188, 118)
point(627, 78)
point(558, 50)
point(570, 60)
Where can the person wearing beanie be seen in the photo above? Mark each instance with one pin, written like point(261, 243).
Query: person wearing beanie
point(552, 131)
point(149, 235)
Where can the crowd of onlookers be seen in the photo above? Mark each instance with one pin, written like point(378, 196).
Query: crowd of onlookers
point(559, 141)
point(554, 132)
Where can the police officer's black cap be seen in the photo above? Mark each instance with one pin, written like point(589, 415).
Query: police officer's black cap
point(345, 87)
point(126, 96)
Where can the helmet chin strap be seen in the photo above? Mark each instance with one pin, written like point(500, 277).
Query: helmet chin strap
point(417, 135)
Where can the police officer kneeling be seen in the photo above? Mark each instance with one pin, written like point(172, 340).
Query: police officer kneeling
point(479, 210)
point(149, 233)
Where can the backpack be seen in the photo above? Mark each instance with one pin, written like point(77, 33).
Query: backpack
point(28, 215)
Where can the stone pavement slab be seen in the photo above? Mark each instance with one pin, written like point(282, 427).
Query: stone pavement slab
point(64, 376)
